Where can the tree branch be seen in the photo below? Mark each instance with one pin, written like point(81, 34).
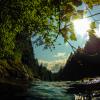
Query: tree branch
point(90, 12)
point(73, 48)
point(92, 15)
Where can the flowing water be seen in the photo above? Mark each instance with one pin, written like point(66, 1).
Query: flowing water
point(55, 91)
point(41, 90)
point(50, 91)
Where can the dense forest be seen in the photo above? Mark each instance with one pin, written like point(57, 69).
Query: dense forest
point(20, 20)
point(21, 63)
point(44, 21)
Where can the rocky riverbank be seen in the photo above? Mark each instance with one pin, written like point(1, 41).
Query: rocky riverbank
point(88, 88)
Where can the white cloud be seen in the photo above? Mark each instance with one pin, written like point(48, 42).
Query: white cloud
point(52, 64)
point(59, 54)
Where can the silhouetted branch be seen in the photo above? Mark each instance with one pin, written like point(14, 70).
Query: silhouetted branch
point(73, 48)
point(93, 15)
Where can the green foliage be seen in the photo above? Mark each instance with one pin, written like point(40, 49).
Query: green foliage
point(37, 16)
point(91, 31)
point(93, 25)
point(73, 36)
point(20, 18)
point(91, 3)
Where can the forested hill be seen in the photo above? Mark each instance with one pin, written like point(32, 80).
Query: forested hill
point(19, 63)
point(18, 20)
point(84, 62)
point(93, 45)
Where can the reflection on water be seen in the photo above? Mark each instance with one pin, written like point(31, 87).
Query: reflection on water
point(40, 90)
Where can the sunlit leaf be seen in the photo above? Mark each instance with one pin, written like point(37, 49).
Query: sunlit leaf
point(93, 25)
point(73, 36)
point(64, 30)
point(91, 31)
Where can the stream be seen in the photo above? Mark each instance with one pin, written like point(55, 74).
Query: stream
point(41, 90)
point(55, 91)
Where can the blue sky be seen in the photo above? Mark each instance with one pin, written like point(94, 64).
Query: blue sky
point(61, 53)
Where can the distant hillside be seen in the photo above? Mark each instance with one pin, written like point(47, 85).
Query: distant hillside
point(84, 62)
point(93, 45)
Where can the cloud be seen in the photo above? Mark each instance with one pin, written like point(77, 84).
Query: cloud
point(60, 54)
point(54, 66)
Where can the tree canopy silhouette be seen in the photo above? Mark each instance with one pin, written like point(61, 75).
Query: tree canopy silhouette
point(21, 19)
point(39, 16)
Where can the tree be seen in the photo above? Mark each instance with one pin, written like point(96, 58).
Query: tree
point(42, 18)
point(84, 62)
point(39, 16)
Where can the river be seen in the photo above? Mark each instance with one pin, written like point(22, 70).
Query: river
point(50, 91)
point(41, 90)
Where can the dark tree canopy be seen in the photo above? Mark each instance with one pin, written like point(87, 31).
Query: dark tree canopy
point(43, 17)
point(83, 63)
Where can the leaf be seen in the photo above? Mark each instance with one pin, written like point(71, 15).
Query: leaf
point(65, 38)
point(64, 30)
point(57, 17)
point(64, 35)
point(93, 25)
point(76, 16)
point(81, 13)
point(73, 36)
point(77, 2)
point(89, 3)
point(91, 31)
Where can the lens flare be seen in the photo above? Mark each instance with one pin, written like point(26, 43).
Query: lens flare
point(81, 26)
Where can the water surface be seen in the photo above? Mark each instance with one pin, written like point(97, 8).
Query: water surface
point(41, 90)
point(51, 91)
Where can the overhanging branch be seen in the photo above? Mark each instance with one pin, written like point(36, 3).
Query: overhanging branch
point(92, 15)
point(73, 48)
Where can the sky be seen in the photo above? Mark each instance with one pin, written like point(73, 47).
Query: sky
point(56, 58)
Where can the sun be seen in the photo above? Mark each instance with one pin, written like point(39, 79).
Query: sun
point(81, 26)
